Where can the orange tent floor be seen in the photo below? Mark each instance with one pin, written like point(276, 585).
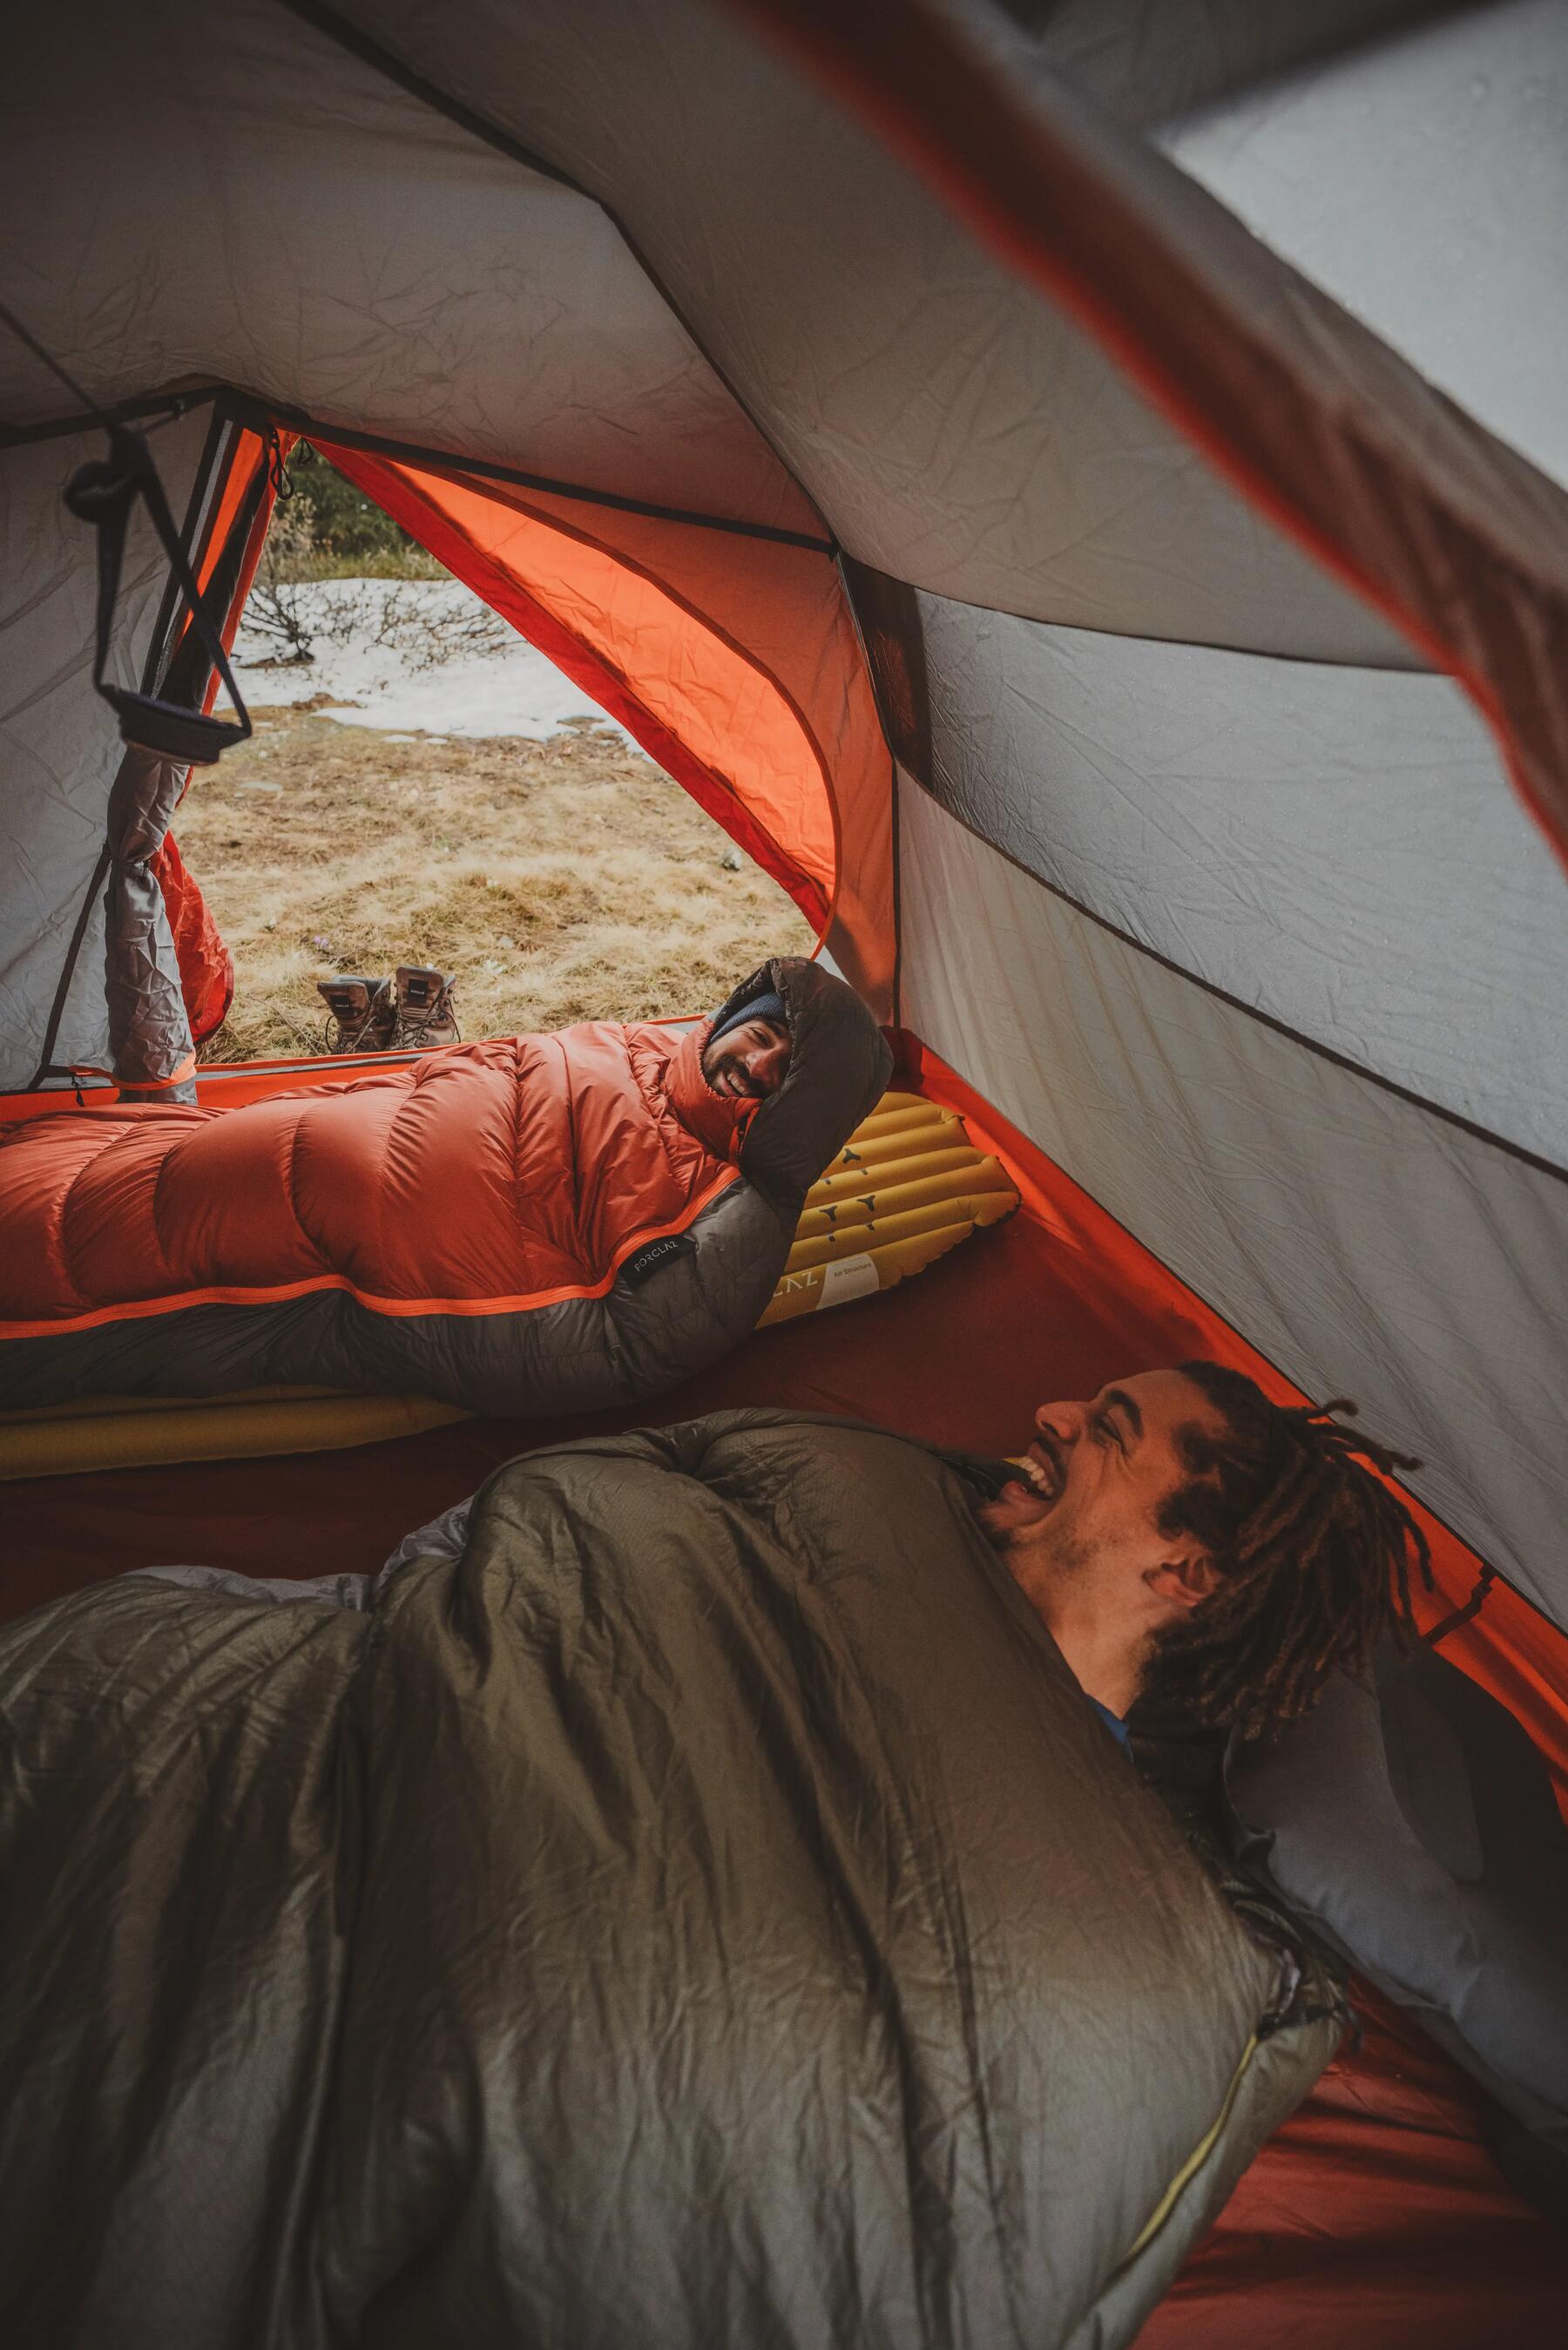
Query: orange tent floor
point(1374, 2219)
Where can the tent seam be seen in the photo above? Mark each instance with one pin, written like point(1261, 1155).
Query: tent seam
point(246, 409)
point(443, 101)
point(1518, 1150)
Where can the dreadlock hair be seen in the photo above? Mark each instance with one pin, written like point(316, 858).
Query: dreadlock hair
point(1312, 1551)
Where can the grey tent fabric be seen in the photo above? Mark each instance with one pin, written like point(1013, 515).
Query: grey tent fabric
point(478, 305)
point(897, 368)
point(939, 465)
point(62, 753)
point(1289, 832)
point(705, 1910)
point(1144, 64)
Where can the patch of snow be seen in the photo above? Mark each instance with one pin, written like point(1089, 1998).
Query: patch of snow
point(399, 654)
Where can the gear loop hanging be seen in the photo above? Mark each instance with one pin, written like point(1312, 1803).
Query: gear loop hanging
point(276, 464)
point(104, 493)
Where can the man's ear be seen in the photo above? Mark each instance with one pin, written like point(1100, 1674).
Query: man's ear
point(1185, 1582)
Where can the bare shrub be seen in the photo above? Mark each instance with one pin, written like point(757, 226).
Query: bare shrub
point(428, 632)
point(425, 630)
point(274, 608)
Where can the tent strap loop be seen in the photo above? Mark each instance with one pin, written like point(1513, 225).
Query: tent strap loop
point(1472, 1606)
point(104, 493)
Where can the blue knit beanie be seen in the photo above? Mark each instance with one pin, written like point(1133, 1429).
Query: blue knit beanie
point(760, 1007)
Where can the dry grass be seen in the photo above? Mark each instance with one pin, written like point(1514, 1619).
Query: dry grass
point(563, 880)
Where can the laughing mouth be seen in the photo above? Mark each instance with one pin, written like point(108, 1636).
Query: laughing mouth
point(1041, 1472)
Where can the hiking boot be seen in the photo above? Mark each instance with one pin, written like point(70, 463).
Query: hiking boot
point(364, 1014)
point(424, 1012)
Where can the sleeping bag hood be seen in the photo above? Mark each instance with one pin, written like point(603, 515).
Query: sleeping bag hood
point(526, 1224)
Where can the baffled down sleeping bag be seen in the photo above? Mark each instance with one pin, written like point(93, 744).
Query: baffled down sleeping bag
point(704, 1910)
point(529, 1224)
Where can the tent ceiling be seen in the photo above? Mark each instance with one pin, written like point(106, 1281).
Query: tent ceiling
point(953, 427)
point(305, 229)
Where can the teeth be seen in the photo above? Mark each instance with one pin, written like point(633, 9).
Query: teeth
point(1037, 1477)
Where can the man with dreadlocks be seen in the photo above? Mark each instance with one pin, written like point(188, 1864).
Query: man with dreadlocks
point(1190, 1543)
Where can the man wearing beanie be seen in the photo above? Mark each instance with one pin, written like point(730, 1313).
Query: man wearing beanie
point(747, 1056)
point(521, 1224)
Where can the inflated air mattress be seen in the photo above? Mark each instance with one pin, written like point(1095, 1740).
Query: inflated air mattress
point(703, 1909)
point(529, 1224)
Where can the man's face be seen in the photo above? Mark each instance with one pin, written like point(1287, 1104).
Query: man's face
point(749, 1062)
point(1087, 1507)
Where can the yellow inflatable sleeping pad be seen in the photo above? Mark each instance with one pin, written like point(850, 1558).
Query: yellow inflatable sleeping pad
point(148, 1431)
point(907, 1187)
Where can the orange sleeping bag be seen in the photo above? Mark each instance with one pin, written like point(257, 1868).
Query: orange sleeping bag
point(527, 1223)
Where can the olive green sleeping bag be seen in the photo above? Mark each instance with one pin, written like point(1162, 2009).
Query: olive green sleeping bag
point(704, 1912)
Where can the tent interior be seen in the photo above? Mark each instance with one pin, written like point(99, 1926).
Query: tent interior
point(1080, 493)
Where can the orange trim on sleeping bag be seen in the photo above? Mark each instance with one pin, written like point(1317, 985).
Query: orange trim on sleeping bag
point(525, 1302)
point(487, 1179)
